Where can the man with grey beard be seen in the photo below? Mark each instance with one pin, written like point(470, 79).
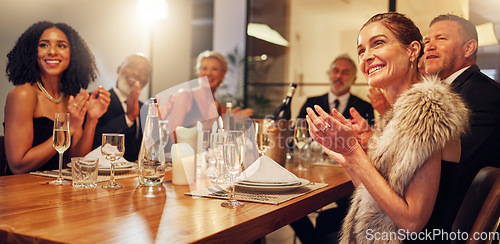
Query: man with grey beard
point(123, 112)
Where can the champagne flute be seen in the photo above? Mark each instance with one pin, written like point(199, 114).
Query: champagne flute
point(61, 140)
point(262, 127)
point(234, 142)
point(112, 149)
point(301, 138)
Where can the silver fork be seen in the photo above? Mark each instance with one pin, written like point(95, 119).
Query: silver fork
point(219, 192)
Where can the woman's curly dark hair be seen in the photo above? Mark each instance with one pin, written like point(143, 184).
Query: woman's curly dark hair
point(22, 64)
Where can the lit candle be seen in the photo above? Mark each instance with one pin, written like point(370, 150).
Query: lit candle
point(221, 125)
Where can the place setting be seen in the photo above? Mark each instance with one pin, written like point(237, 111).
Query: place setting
point(96, 166)
point(264, 181)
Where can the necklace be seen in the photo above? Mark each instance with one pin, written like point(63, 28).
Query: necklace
point(54, 100)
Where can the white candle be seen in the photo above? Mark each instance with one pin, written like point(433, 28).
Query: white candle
point(214, 127)
point(187, 135)
point(182, 164)
point(221, 125)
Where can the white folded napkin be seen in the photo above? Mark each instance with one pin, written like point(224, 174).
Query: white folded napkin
point(104, 163)
point(266, 170)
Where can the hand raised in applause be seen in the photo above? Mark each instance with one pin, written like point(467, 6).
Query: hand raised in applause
point(333, 132)
point(166, 107)
point(378, 100)
point(247, 111)
point(133, 101)
point(77, 108)
point(361, 128)
point(98, 103)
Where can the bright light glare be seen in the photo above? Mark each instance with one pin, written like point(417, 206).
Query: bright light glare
point(150, 10)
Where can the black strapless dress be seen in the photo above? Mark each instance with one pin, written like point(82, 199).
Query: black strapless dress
point(42, 131)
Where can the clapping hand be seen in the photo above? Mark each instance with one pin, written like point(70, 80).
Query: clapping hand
point(247, 111)
point(77, 108)
point(378, 100)
point(98, 103)
point(334, 132)
point(361, 128)
point(166, 107)
point(133, 101)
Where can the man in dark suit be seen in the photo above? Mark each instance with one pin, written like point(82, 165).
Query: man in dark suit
point(123, 111)
point(450, 52)
point(342, 75)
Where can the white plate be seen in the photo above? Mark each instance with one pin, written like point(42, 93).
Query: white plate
point(302, 182)
point(254, 183)
point(120, 167)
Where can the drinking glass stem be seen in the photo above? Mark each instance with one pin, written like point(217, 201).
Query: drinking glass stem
point(112, 177)
point(232, 197)
point(300, 157)
point(60, 166)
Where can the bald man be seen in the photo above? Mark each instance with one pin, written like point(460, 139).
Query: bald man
point(123, 112)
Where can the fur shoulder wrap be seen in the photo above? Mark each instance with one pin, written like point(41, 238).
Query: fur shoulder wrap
point(423, 119)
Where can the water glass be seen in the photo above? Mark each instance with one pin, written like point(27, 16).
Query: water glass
point(84, 172)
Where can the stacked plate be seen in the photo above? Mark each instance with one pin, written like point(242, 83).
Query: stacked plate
point(121, 166)
point(271, 186)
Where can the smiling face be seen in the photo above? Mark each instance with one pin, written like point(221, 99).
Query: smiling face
point(445, 49)
point(383, 60)
point(212, 69)
point(134, 68)
point(342, 76)
point(53, 53)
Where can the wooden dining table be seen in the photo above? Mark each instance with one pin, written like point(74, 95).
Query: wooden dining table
point(33, 211)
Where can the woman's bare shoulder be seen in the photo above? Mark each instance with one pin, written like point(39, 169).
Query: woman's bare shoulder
point(26, 90)
point(24, 94)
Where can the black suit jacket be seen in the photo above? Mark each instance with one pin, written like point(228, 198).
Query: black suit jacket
point(481, 146)
point(113, 121)
point(365, 109)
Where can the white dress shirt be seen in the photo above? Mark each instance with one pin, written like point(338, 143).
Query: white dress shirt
point(453, 76)
point(123, 100)
point(342, 101)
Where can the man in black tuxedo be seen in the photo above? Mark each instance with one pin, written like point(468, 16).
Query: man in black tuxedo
point(450, 52)
point(123, 111)
point(342, 75)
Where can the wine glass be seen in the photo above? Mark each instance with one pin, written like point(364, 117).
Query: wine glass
point(113, 148)
point(234, 142)
point(301, 138)
point(262, 127)
point(61, 140)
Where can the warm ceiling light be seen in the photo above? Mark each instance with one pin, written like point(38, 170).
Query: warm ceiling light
point(150, 10)
point(264, 32)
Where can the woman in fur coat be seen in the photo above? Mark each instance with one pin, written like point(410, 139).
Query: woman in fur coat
point(398, 177)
